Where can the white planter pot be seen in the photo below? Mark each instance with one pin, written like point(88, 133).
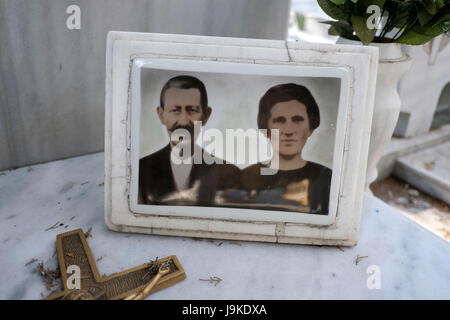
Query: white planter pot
point(393, 64)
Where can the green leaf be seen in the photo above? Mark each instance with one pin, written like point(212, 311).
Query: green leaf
point(443, 15)
point(334, 11)
point(364, 4)
point(439, 3)
point(402, 17)
point(429, 5)
point(424, 17)
point(419, 35)
point(340, 28)
point(365, 34)
point(338, 2)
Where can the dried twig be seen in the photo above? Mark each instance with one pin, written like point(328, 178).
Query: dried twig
point(429, 165)
point(152, 268)
point(49, 276)
point(213, 279)
point(359, 258)
point(31, 261)
point(53, 226)
point(88, 233)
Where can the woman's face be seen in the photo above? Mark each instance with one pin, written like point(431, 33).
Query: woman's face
point(292, 121)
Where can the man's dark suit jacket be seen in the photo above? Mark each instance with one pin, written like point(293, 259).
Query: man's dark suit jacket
point(156, 179)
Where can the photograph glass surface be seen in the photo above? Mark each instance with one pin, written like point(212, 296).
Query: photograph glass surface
point(228, 136)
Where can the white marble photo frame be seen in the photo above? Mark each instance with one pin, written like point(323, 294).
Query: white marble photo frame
point(136, 65)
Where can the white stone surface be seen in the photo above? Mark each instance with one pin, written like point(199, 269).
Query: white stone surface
point(413, 261)
point(428, 170)
point(399, 147)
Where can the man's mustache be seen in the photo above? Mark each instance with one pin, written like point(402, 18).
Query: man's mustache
point(188, 128)
point(182, 136)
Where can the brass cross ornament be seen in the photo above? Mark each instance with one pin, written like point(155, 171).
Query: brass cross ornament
point(132, 284)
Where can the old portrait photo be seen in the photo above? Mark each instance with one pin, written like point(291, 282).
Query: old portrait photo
point(246, 140)
point(241, 139)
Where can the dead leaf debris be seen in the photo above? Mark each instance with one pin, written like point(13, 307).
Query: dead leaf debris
point(31, 261)
point(88, 233)
point(152, 268)
point(359, 258)
point(213, 279)
point(49, 276)
point(429, 165)
point(53, 226)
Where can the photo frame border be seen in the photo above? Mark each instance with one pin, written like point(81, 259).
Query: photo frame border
point(124, 47)
point(230, 213)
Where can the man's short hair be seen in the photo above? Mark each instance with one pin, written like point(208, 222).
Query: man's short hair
point(287, 92)
point(186, 82)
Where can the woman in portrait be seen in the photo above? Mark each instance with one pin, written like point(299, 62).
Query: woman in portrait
point(293, 184)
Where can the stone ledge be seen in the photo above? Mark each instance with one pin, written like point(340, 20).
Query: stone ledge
point(399, 147)
point(427, 170)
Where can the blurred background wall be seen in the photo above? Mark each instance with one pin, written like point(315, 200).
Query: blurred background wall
point(52, 78)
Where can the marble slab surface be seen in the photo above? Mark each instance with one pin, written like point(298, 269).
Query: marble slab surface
point(413, 262)
point(428, 170)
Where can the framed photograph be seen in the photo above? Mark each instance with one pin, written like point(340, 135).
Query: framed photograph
point(239, 139)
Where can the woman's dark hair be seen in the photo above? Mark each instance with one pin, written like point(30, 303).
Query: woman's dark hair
point(287, 92)
point(185, 82)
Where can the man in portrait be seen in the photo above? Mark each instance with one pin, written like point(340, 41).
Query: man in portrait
point(171, 175)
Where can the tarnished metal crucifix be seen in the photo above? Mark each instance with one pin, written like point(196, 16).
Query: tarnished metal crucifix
point(134, 283)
